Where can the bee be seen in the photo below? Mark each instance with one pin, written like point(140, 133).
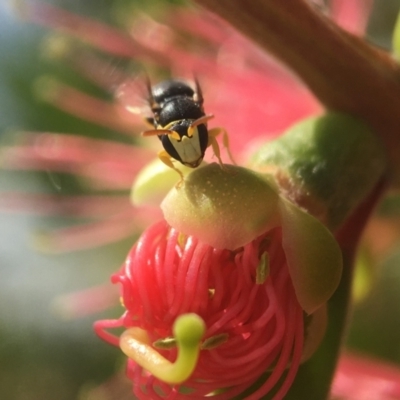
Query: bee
point(180, 123)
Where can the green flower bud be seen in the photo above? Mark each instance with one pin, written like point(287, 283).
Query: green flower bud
point(325, 164)
point(228, 208)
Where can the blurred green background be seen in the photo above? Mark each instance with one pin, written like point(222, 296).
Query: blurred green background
point(44, 357)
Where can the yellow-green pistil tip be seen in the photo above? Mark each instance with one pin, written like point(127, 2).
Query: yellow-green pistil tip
point(188, 331)
point(224, 207)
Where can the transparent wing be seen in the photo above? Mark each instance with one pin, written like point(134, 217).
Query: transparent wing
point(133, 95)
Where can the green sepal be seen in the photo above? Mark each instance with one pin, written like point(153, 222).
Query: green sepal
point(154, 181)
point(225, 208)
point(313, 256)
point(228, 208)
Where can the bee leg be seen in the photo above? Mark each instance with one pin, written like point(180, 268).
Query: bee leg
point(212, 134)
point(166, 159)
point(212, 141)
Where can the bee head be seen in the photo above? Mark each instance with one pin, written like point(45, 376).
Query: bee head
point(186, 143)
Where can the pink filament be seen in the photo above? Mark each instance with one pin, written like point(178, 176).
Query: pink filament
point(360, 377)
point(85, 302)
point(89, 206)
point(97, 233)
point(352, 15)
point(93, 109)
point(97, 34)
point(167, 274)
point(104, 164)
point(101, 326)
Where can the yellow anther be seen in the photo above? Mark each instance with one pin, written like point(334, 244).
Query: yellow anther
point(262, 269)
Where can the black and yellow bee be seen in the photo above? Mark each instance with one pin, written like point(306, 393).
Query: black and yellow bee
point(180, 123)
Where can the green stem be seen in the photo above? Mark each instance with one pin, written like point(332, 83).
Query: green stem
point(315, 376)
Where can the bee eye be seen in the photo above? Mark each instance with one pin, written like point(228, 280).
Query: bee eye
point(169, 148)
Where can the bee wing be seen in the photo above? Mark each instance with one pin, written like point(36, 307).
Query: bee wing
point(133, 95)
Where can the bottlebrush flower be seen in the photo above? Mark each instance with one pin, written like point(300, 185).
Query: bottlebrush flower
point(230, 299)
point(222, 309)
point(222, 221)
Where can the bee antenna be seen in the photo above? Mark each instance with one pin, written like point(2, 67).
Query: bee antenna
point(199, 93)
point(148, 87)
point(155, 107)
